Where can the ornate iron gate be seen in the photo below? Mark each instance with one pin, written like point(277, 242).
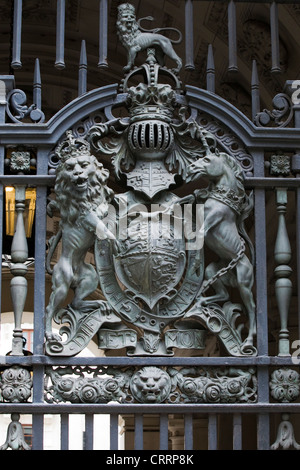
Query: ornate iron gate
point(193, 278)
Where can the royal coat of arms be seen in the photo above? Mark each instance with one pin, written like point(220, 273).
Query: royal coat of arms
point(159, 293)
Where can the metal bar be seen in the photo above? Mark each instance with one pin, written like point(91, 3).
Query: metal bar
point(39, 272)
point(2, 197)
point(263, 426)
point(103, 29)
point(261, 258)
point(210, 70)
point(40, 255)
point(64, 431)
point(38, 384)
point(287, 2)
point(263, 432)
point(271, 183)
point(274, 38)
point(37, 432)
point(298, 252)
point(232, 41)
point(163, 432)
point(263, 385)
point(49, 180)
point(255, 91)
point(89, 432)
point(212, 432)
point(138, 432)
point(261, 272)
point(237, 431)
point(114, 431)
point(28, 180)
point(39, 298)
point(17, 35)
point(38, 398)
point(296, 170)
point(106, 408)
point(37, 85)
point(188, 432)
point(189, 35)
point(257, 361)
point(60, 35)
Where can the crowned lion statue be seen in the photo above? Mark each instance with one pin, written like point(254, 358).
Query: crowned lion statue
point(135, 38)
point(82, 199)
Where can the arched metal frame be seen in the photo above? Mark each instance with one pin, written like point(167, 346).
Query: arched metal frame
point(256, 140)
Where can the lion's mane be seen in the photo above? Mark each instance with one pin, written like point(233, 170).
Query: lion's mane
point(127, 36)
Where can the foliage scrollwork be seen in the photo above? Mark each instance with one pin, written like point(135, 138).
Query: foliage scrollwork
point(16, 385)
point(285, 385)
point(150, 385)
point(280, 116)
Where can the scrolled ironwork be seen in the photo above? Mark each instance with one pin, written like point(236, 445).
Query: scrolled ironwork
point(280, 116)
point(18, 110)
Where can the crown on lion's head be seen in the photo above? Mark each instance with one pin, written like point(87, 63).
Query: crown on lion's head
point(70, 201)
point(126, 8)
point(72, 147)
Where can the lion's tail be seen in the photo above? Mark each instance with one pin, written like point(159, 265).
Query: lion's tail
point(159, 30)
point(173, 41)
point(53, 242)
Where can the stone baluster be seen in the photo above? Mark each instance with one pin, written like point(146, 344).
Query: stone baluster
point(283, 285)
point(18, 286)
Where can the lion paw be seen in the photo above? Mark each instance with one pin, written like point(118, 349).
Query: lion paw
point(50, 336)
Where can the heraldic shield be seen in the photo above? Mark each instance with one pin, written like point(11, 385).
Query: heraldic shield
point(150, 281)
point(150, 268)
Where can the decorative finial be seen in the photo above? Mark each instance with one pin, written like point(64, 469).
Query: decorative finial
point(72, 147)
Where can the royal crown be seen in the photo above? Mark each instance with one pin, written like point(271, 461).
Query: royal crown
point(151, 102)
point(72, 147)
point(126, 8)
